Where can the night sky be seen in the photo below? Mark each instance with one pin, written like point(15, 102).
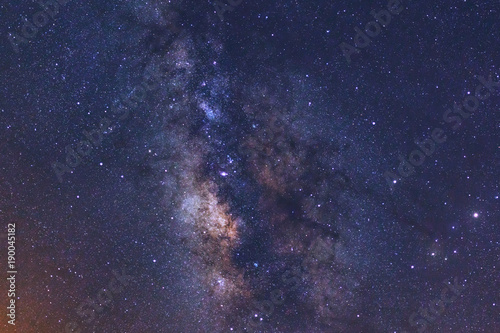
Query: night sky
point(251, 166)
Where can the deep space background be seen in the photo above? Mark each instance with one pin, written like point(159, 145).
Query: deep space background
point(246, 191)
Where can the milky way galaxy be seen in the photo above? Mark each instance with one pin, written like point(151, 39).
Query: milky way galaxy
point(208, 167)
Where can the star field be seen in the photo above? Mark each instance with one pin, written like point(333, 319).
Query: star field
point(235, 166)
